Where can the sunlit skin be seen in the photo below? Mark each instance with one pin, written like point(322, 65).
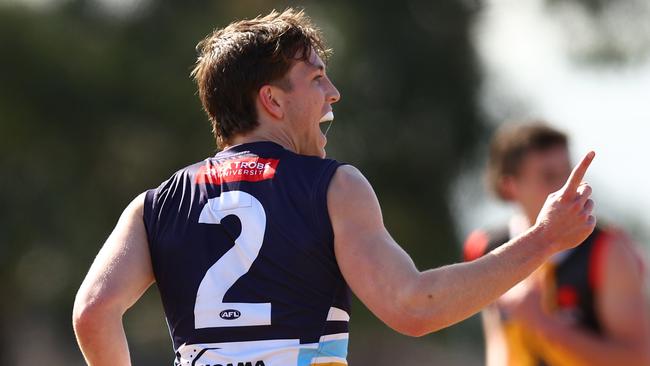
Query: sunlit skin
point(292, 116)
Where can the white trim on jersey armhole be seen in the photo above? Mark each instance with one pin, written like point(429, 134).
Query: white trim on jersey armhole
point(336, 314)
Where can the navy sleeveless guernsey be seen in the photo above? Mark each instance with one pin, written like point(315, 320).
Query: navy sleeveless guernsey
point(242, 252)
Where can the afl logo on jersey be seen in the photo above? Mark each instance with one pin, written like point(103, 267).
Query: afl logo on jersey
point(230, 314)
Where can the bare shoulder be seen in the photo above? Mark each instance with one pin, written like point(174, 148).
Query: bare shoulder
point(122, 269)
point(129, 235)
point(136, 206)
point(622, 250)
point(623, 260)
point(621, 300)
point(130, 222)
point(348, 178)
point(347, 183)
point(351, 199)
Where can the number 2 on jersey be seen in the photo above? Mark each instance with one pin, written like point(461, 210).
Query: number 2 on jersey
point(209, 310)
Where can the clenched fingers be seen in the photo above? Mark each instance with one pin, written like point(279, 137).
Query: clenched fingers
point(583, 193)
point(588, 208)
point(591, 221)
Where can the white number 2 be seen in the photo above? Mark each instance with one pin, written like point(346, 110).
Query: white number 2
point(209, 310)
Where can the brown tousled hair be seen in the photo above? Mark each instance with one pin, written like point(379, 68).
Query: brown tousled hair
point(236, 61)
point(512, 143)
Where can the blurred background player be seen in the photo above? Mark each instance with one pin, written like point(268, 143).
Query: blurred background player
point(585, 306)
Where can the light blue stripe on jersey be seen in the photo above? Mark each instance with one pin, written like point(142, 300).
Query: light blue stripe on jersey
point(334, 348)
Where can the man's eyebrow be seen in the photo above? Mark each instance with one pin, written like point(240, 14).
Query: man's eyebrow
point(319, 67)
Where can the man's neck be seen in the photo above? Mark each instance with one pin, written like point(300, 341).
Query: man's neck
point(259, 134)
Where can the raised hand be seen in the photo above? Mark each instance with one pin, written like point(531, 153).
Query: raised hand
point(565, 219)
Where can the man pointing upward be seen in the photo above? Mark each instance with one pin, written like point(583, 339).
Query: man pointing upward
point(253, 266)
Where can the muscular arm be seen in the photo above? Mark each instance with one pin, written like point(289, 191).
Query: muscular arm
point(621, 306)
point(385, 279)
point(117, 278)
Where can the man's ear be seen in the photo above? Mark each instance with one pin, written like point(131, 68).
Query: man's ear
point(508, 188)
point(271, 100)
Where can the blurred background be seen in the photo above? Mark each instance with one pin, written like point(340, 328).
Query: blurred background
point(96, 105)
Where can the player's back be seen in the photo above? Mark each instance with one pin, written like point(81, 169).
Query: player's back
point(242, 250)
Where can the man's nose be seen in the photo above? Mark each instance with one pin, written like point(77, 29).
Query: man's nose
point(333, 95)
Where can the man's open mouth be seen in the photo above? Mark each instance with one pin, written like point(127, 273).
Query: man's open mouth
point(329, 116)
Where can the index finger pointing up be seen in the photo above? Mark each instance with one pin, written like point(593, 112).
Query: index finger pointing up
point(578, 173)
